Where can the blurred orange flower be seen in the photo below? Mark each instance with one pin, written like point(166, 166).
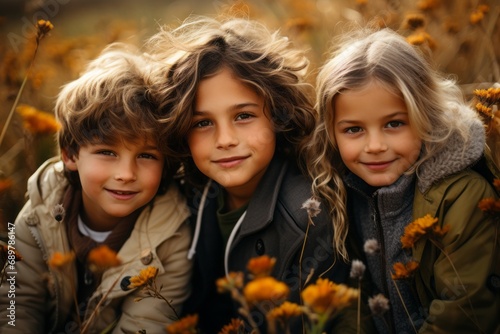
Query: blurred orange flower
point(285, 311)
point(490, 206)
point(36, 121)
point(185, 325)
point(5, 184)
point(421, 227)
point(233, 327)
point(404, 270)
point(59, 260)
point(102, 258)
point(43, 27)
point(327, 297)
point(261, 266)
point(421, 38)
point(265, 288)
point(234, 281)
point(145, 277)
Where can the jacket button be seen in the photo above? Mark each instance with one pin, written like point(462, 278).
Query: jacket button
point(32, 219)
point(259, 247)
point(147, 257)
point(125, 283)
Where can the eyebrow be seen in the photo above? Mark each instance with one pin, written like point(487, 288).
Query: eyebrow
point(397, 113)
point(233, 107)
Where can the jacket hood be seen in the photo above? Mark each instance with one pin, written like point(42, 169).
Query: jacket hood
point(457, 154)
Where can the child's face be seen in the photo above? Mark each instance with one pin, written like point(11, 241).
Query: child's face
point(116, 179)
point(231, 141)
point(373, 134)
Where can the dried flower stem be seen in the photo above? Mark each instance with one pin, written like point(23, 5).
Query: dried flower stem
point(156, 294)
point(441, 248)
point(16, 101)
point(358, 327)
point(404, 305)
point(103, 298)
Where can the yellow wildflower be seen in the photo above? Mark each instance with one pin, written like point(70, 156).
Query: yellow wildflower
point(285, 311)
point(185, 325)
point(233, 327)
point(404, 270)
point(327, 297)
point(265, 288)
point(59, 260)
point(421, 227)
point(102, 258)
point(261, 266)
point(43, 28)
point(427, 4)
point(234, 281)
point(145, 277)
point(421, 38)
point(36, 121)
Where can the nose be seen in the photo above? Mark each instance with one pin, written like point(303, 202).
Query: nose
point(126, 171)
point(226, 137)
point(376, 143)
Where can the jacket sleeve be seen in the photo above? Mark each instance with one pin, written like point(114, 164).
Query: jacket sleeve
point(26, 290)
point(462, 302)
point(153, 314)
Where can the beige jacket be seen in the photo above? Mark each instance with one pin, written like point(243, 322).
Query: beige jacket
point(44, 296)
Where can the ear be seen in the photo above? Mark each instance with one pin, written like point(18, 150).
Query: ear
point(70, 163)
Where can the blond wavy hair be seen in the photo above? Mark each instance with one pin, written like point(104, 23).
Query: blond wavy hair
point(262, 59)
point(385, 56)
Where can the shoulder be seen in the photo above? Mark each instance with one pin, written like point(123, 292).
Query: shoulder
point(48, 183)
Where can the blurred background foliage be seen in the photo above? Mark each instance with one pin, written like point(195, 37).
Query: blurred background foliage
point(462, 38)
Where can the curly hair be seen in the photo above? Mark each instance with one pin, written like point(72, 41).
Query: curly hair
point(385, 56)
point(263, 60)
point(110, 102)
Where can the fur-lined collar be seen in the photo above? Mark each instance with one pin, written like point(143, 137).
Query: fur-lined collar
point(458, 153)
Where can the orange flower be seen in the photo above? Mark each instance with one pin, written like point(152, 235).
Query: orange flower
point(285, 311)
point(427, 4)
point(261, 266)
point(36, 121)
point(102, 258)
point(326, 297)
point(496, 184)
point(421, 38)
point(234, 281)
point(233, 327)
point(59, 260)
point(425, 226)
point(43, 27)
point(490, 205)
point(265, 288)
point(5, 184)
point(404, 270)
point(145, 277)
point(185, 325)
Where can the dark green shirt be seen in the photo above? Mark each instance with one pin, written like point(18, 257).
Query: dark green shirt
point(227, 219)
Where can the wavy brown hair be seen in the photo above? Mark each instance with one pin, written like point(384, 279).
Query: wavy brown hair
point(110, 102)
point(263, 60)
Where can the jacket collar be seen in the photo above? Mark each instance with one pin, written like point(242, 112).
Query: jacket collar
point(455, 154)
point(260, 211)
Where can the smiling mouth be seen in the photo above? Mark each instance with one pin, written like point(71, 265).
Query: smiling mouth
point(377, 165)
point(230, 162)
